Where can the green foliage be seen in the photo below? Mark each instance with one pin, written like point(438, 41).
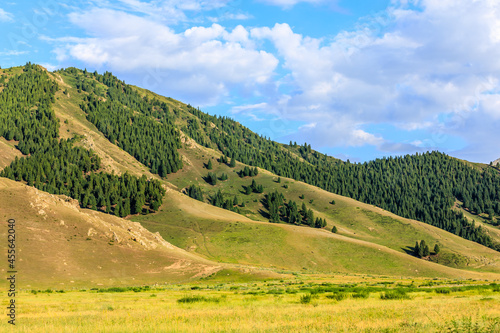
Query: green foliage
point(334, 229)
point(220, 201)
point(442, 290)
point(223, 159)
point(338, 296)
point(140, 126)
point(280, 210)
point(209, 164)
point(196, 299)
point(248, 172)
point(423, 187)
point(437, 249)
point(467, 324)
point(362, 294)
point(211, 178)
point(397, 294)
point(57, 166)
point(195, 192)
point(306, 299)
point(320, 223)
point(421, 249)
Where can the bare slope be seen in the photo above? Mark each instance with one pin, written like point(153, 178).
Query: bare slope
point(8, 152)
point(60, 244)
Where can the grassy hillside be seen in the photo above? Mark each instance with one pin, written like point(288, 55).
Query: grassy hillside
point(369, 239)
point(269, 244)
point(62, 246)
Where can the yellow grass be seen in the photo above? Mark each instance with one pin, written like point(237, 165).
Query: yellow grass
point(158, 310)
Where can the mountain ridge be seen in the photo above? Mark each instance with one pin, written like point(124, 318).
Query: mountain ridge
point(357, 221)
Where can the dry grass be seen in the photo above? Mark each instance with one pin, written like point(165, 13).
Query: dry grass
point(254, 307)
point(8, 152)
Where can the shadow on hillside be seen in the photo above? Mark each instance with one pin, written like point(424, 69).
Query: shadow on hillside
point(409, 250)
point(264, 214)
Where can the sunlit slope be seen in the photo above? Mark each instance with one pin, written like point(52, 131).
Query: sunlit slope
point(290, 248)
point(8, 152)
point(73, 122)
point(59, 244)
point(369, 239)
point(185, 221)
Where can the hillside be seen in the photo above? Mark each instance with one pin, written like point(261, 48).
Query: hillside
point(423, 187)
point(62, 245)
point(111, 125)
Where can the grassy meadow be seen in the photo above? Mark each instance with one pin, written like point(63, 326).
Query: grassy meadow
point(300, 304)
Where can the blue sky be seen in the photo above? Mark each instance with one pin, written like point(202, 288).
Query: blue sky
point(355, 79)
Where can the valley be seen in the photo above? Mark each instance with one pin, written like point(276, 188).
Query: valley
point(113, 186)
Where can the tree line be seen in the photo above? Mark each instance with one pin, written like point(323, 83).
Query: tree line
point(141, 126)
point(57, 166)
point(423, 187)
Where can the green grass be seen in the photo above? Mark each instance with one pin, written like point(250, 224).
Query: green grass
point(237, 243)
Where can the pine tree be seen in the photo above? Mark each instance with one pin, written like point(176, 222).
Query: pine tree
point(426, 251)
point(126, 207)
point(232, 164)
point(209, 164)
point(437, 249)
point(154, 205)
point(334, 229)
point(118, 209)
point(212, 178)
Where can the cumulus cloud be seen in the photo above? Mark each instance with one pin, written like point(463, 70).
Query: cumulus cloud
point(427, 66)
point(413, 68)
point(200, 63)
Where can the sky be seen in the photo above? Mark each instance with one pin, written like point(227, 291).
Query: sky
point(358, 79)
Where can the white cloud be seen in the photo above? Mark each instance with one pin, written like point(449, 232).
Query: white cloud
point(412, 67)
point(13, 53)
point(166, 11)
point(6, 16)
point(50, 67)
point(431, 67)
point(201, 63)
point(244, 108)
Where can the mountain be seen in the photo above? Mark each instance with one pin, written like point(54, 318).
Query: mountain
point(212, 187)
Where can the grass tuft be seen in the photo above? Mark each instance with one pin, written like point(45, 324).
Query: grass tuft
point(394, 294)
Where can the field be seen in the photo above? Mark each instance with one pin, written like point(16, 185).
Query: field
point(305, 303)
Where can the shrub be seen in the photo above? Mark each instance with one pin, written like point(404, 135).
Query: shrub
point(442, 291)
point(361, 294)
point(306, 299)
point(194, 299)
point(394, 294)
point(338, 296)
